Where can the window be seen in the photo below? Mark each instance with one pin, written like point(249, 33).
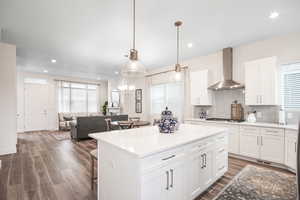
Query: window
point(170, 95)
point(77, 97)
point(290, 84)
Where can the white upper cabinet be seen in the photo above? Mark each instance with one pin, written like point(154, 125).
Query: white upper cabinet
point(200, 95)
point(261, 82)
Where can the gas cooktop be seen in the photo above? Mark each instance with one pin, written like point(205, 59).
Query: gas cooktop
point(224, 119)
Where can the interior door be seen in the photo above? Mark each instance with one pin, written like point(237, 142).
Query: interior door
point(35, 106)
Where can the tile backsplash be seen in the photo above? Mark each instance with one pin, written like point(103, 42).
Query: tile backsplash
point(221, 108)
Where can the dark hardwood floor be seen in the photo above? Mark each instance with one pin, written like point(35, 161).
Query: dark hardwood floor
point(48, 168)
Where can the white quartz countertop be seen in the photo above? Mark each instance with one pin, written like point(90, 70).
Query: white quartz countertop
point(146, 141)
point(259, 124)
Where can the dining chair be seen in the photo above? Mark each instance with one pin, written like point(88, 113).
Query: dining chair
point(126, 125)
point(94, 157)
point(108, 124)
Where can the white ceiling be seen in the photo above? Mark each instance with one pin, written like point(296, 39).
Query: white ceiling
point(88, 38)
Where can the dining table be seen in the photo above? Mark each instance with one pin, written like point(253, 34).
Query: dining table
point(127, 123)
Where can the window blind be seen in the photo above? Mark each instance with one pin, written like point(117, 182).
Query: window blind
point(291, 86)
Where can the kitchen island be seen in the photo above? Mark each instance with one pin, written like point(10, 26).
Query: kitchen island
point(143, 164)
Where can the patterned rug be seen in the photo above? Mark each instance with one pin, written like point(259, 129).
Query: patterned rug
point(61, 135)
point(255, 183)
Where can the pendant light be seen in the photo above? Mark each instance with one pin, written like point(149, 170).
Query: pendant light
point(177, 65)
point(133, 68)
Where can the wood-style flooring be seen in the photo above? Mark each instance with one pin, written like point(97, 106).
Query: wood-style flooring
point(47, 168)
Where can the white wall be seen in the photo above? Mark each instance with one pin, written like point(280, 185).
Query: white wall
point(8, 110)
point(286, 48)
point(52, 107)
point(128, 98)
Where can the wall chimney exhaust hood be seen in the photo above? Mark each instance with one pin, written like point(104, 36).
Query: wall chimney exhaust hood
point(227, 83)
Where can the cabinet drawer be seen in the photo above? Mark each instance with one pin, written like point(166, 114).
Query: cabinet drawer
point(272, 131)
point(249, 129)
point(199, 146)
point(222, 141)
point(162, 159)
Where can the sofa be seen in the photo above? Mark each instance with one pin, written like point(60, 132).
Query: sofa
point(83, 126)
point(65, 119)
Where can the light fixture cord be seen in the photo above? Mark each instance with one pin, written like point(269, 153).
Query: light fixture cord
point(133, 24)
point(177, 44)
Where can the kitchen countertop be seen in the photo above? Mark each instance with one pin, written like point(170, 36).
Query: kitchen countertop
point(146, 141)
point(260, 124)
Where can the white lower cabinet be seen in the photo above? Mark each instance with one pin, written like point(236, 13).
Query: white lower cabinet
point(164, 183)
point(291, 149)
point(262, 143)
point(272, 148)
point(249, 142)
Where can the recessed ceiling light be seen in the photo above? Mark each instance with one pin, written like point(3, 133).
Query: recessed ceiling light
point(116, 72)
point(98, 78)
point(274, 15)
point(45, 71)
point(53, 61)
point(190, 45)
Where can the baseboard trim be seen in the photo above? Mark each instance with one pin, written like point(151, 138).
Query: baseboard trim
point(262, 162)
point(8, 150)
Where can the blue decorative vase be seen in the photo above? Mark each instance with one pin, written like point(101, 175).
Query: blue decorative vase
point(168, 123)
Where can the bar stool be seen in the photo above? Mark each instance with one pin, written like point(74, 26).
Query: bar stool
point(94, 157)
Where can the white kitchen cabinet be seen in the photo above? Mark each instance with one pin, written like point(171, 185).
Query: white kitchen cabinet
point(200, 95)
point(261, 82)
point(272, 145)
point(291, 148)
point(249, 142)
point(154, 184)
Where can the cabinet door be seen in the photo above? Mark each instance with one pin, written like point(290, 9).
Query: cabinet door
point(272, 148)
point(234, 139)
point(176, 181)
point(291, 152)
point(252, 83)
point(268, 83)
point(193, 168)
point(200, 95)
point(155, 185)
point(249, 145)
point(207, 172)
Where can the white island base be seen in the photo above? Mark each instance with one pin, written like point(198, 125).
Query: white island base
point(143, 164)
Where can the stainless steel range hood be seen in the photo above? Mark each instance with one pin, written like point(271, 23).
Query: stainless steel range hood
point(227, 83)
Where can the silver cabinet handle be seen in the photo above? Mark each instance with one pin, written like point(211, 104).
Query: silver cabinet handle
point(257, 140)
point(205, 160)
point(261, 140)
point(167, 173)
point(295, 147)
point(172, 178)
point(167, 158)
point(202, 161)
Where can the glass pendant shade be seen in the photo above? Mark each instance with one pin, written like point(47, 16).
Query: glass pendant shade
point(133, 68)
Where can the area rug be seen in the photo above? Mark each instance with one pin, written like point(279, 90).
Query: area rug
point(61, 135)
point(255, 183)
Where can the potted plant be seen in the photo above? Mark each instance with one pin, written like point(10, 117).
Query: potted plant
point(104, 108)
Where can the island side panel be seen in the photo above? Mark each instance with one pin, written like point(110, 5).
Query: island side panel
point(118, 174)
